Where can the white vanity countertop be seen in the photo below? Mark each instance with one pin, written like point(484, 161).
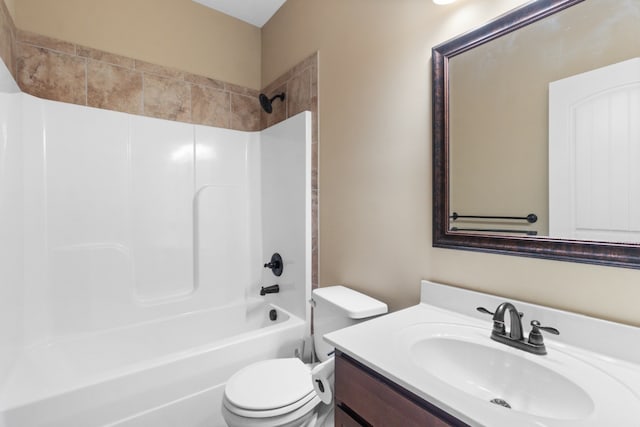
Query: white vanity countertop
point(602, 358)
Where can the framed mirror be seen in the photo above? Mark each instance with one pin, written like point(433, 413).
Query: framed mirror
point(536, 134)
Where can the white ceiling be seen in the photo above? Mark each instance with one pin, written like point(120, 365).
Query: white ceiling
point(255, 12)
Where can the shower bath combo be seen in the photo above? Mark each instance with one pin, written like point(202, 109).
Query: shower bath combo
point(135, 292)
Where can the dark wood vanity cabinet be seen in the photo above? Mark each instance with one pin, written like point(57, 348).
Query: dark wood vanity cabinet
point(365, 398)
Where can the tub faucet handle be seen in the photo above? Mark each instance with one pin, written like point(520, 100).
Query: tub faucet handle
point(276, 265)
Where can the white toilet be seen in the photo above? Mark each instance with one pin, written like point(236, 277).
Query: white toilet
point(279, 392)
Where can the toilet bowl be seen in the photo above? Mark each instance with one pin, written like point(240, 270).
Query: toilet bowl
point(280, 392)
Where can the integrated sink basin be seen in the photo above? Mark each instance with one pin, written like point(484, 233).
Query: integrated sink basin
point(554, 386)
point(502, 377)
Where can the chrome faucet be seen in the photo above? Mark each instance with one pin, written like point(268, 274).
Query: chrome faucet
point(514, 338)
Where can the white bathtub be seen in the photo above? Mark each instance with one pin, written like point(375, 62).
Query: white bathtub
point(162, 373)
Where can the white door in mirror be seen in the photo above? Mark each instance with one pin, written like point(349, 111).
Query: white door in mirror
point(594, 153)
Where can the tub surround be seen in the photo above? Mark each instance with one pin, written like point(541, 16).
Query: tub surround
point(151, 218)
point(611, 377)
point(62, 71)
point(115, 213)
point(300, 84)
point(11, 226)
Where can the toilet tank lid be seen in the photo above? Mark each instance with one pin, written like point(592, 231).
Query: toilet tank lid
point(355, 304)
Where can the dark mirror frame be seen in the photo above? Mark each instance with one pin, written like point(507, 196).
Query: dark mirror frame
point(592, 252)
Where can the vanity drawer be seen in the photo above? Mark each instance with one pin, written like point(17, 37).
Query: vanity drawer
point(343, 419)
point(364, 395)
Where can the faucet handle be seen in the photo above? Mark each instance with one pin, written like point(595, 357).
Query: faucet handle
point(498, 325)
point(549, 329)
point(535, 337)
point(485, 311)
point(276, 265)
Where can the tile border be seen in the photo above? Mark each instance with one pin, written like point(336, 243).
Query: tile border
point(168, 108)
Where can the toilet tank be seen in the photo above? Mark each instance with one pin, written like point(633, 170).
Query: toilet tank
point(336, 307)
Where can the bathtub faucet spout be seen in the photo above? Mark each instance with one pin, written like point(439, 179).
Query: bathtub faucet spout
point(273, 289)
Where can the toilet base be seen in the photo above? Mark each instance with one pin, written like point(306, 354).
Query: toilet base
point(325, 416)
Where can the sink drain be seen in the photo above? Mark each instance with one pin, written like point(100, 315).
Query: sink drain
point(501, 402)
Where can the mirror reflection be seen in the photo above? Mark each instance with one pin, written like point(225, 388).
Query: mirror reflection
point(545, 120)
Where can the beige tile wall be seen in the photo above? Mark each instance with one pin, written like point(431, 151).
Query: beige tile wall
point(62, 71)
point(300, 85)
point(7, 39)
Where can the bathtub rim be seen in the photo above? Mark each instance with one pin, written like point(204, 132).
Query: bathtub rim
point(7, 404)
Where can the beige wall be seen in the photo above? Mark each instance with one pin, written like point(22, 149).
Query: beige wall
point(375, 158)
point(179, 34)
point(11, 7)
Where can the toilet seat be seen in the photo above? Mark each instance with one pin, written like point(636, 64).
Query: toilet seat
point(292, 419)
point(248, 413)
point(270, 388)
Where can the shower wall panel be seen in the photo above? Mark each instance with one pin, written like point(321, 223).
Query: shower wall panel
point(226, 242)
point(85, 215)
point(300, 83)
point(162, 168)
point(286, 209)
point(11, 277)
point(112, 205)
